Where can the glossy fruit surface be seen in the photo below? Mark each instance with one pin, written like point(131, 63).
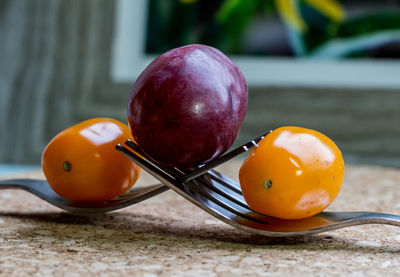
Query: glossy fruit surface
point(294, 173)
point(82, 164)
point(187, 106)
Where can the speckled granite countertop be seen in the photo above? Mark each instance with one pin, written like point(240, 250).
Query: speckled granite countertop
point(168, 236)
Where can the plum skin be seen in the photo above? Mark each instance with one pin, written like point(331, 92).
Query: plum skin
point(186, 108)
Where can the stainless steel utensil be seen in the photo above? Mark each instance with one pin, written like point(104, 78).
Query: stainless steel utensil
point(221, 197)
point(42, 189)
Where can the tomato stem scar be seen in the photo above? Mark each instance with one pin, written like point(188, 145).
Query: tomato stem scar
point(67, 166)
point(268, 184)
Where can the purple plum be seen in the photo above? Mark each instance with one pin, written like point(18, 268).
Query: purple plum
point(187, 106)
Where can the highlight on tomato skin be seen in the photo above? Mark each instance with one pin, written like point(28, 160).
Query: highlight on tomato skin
point(81, 162)
point(294, 173)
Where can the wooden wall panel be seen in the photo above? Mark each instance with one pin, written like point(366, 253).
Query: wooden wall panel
point(54, 72)
point(55, 60)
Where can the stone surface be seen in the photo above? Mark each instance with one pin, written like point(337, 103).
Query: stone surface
point(168, 236)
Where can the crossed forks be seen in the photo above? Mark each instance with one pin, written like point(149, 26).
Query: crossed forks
point(211, 191)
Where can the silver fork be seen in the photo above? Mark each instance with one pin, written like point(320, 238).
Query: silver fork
point(42, 189)
point(222, 198)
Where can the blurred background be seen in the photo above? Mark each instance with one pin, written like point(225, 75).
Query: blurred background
point(329, 65)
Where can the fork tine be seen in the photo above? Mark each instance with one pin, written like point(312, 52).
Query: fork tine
point(177, 174)
point(214, 185)
point(147, 165)
point(225, 189)
point(226, 181)
point(224, 158)
point(222, 204)
point(174, 172)
point(217, 203)
point(170, 170)
point(218, 182)
point(221, 194)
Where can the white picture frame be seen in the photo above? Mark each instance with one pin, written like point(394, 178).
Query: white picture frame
point(129, 59)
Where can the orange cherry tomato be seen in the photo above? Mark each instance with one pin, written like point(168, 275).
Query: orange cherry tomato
point(82, 164)
point(294, 173)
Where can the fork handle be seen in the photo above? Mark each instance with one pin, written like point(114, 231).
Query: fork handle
point(24, 184)
point(12, 184)
point(381, 218)
point(358, 218)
